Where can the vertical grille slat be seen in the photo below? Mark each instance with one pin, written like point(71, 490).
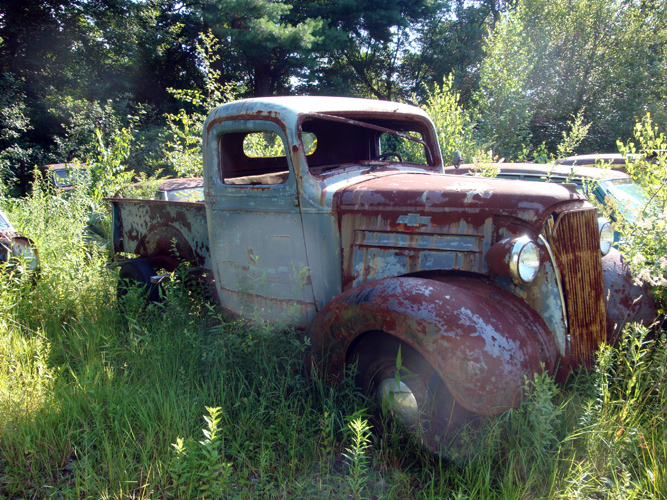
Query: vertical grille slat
point(575, 240)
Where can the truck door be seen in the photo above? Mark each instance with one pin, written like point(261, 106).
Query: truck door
point(257, 242)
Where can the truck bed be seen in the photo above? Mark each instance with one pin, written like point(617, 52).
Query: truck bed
point(150, 228)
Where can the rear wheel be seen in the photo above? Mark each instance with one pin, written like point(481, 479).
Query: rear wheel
point(137, 274)
point(410, 391)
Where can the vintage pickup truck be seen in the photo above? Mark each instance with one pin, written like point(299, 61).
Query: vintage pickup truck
point(334, 215)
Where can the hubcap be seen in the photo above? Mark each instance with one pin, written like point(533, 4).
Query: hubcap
point(399, 400)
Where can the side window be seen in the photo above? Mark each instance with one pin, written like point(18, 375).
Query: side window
point(253, 158)
point(263, 145)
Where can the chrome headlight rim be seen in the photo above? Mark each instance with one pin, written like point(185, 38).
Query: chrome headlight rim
point(522, 270)
point(606, 233)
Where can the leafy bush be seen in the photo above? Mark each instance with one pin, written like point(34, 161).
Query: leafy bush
point(183, 147)
point(644, 238)
point(454, 126)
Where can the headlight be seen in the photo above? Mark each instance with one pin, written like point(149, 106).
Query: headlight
point(23, 248)
point(524, 260)
point(518, 258)
point(606, 235)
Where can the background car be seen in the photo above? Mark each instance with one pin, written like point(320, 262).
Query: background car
point(15, 249)
point(178, 189)
point(608, 186)
point(615, 160)
point(61, 175)
point(181, 189)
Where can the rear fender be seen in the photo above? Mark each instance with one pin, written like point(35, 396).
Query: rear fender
point(483, 341)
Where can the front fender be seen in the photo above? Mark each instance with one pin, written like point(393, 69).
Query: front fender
point(626, 301)
point(483, 341)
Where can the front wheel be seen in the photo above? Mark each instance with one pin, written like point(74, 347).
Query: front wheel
point(407, 389)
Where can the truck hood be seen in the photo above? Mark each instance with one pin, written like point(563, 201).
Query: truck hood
point(446, 196)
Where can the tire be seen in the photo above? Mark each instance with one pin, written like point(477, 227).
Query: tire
point(138, 273)
point(417, 398)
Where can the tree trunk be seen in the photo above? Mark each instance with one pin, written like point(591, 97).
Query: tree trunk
point(262, 80)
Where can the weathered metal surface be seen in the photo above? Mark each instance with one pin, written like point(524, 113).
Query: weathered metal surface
point(406, 223)
point(256, 232)
point(14, 244)
point(626, 301)
point(180, 183)
point(576, 242)
point(483, 341)
point(450, 199)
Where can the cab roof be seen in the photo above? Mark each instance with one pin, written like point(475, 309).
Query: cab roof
point(303, 105)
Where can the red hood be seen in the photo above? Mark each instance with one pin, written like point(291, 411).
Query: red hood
point(436, 194)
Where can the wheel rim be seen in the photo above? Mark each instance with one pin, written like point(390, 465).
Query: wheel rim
point(398, 398)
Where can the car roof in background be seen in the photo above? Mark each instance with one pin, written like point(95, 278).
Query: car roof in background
point(180, 183)
point(62, 166)
point(594, 158)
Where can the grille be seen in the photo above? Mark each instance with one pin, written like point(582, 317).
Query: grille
point(576, 243)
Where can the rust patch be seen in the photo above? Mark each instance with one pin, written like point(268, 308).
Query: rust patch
point(625, 300)
point(576, 242)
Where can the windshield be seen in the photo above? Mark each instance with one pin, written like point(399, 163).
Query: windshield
point(61, 178)
point(630, 197)
point(375, 142)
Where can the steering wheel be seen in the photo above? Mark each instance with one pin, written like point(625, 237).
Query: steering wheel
point(387, 155)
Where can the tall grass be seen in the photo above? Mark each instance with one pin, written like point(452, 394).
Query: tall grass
point(172, 400)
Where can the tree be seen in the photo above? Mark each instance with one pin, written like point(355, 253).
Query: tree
point(260, 34)
point(75, 63)
point(453, 125)
point(549, 60)
point(182, 149)
point(450, 42)
point(505, 106)
point(365, 44)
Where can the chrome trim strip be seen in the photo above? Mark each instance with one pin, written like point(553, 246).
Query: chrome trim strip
point(552, 257)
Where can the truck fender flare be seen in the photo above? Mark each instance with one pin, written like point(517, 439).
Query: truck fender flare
point(484, 342)
point(626, 300)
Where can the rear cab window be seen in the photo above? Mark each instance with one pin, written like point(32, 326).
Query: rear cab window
point(254, 158)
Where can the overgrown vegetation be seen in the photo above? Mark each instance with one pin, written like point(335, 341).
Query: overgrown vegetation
point(521, 69)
